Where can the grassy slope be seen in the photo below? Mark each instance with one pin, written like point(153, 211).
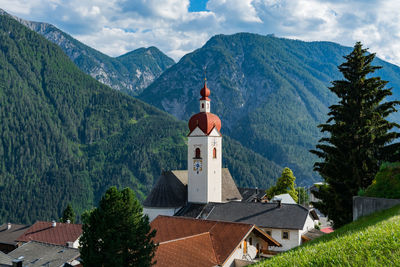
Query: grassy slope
point(370, 241)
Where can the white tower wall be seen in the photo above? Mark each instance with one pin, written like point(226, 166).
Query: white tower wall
point(205, 184)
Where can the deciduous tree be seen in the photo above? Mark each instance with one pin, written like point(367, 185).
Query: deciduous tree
point(284, 185)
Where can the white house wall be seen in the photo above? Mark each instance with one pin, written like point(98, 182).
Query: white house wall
point(154, 212)
point(251, 251)
point(310, 224)
point(293, 241)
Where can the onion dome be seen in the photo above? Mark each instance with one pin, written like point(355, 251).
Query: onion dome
point(206, 121)
point(205, 92)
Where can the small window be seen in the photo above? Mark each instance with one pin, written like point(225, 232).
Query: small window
point(198, 153)
point(214, 153)
point(202, 105)
point(285, 235)
point(251, 241)
point(269, 232)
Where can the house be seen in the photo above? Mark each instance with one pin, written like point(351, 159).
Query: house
point(63, 234)
point(9, 232)
point(195, 242)
point(35, 254)
point(207, 191)
point(286, 223)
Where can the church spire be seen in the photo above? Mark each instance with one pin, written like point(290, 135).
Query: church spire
point(204, 100)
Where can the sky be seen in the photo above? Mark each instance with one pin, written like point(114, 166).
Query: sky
point(178, 27)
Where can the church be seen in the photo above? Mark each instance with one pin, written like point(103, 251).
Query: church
point(205, 180)
point(207, 191)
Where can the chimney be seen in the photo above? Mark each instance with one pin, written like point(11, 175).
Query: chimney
point(53, 224)
point(279, 202)
point(17, 262)
point(8, 226)
point(68, 221)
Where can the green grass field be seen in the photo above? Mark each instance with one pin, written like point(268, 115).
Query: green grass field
point(370, 241)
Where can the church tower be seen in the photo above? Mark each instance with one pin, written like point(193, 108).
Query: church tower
point(204, 154)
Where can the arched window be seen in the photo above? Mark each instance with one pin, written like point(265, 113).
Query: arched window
point(214, 153)
point(198, 153)
point(251, 241)
point(202, 105)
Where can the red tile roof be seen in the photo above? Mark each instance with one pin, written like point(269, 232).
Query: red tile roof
point(59, 235)
point(195, 250)
point(193, 242)
point(327, 230)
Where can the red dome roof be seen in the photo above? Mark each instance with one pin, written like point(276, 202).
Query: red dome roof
point(206, 122)
point(205, 92)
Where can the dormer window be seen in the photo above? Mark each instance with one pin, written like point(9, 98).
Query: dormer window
point(197, 153)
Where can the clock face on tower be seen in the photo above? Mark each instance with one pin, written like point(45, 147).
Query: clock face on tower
point(197, 165)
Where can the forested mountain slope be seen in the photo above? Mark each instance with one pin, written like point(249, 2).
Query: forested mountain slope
point(65, 137)
point(130, 73)
point(271, 93)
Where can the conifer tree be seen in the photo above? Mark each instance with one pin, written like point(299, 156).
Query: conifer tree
point(284, 185)
point(68, 214)
point(116, 233)
point(358, 136)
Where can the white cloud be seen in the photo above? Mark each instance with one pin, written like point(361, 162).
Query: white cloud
point(118, 26)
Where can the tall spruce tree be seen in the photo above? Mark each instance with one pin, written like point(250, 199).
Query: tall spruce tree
point(68, 214)
point(358, 138)
point(116, 233)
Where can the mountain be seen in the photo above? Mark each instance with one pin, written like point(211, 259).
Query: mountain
point(130, 73)
point(65, 137)
point(271, 93)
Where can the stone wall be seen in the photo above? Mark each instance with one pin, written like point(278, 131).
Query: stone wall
point(366, 205)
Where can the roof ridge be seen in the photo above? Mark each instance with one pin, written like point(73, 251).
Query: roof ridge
point(49, 244)
point(247, 233)
point(202, 220)
point(183, 238)
point(212, 245)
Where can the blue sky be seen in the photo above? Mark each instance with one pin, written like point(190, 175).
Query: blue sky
point(180, 26)
point(198, 5)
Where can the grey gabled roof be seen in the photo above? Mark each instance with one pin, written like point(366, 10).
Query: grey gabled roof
point(41, 254)
point(251, 194)
point(8, 236)
point(5, 260)
point(267, 215)
point(170, 191)
point(229, 188)
point(284, 198)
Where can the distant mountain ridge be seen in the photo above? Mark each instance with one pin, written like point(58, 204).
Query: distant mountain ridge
point(65, 137)
point(271, 93)
point(130, 73)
